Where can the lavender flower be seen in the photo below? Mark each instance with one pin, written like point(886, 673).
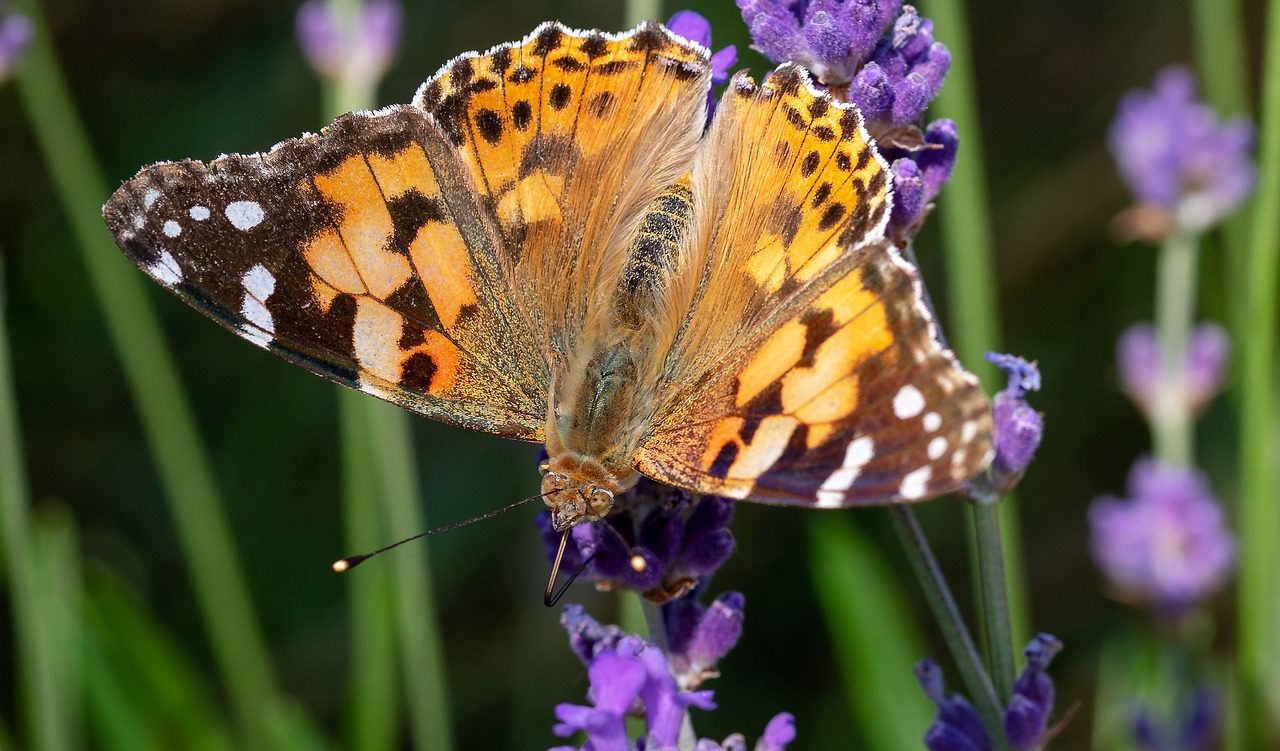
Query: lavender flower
point(677, 540)
point(918, 176)
point(697, 636)
point(1018, 427)
point(903, 74)
point(357, 50)
point(15, 34)
point(957, 726)
point(1174, 155)
point(1026, 718)
point(1138, 357)
point(694, 27)
point(1166, 544)
point(832, 38)
point(1197, 729)
point(631, 676)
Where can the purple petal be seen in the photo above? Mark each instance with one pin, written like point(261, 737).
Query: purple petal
point(717, 632)
point(691, 26)
point(780, 732)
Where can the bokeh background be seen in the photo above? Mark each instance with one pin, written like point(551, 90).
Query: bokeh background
point(162, 79)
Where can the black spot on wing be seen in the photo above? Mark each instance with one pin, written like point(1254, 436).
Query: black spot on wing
point(417, 372)
point(521, 114)
point(547, 40)
point(489, 126)
point(559, 96)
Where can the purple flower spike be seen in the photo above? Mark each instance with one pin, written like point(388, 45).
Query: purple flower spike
point(695, 28)
point(919, 174)
point(1018, 427)
point(1167, 544)
point(957, 726)
point(700, 636)
point(1026, 719)
point(832, 38)
point(631, 676)
point(680, 541)
point(15, 34)
point(1175, 156)
point(1138, 358)
point(1198, 729)
point(357, 50)
point(903, 74)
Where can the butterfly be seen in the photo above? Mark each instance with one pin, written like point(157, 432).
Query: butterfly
point(552, 244)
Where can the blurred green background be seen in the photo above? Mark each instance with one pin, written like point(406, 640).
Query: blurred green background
point(160, 80)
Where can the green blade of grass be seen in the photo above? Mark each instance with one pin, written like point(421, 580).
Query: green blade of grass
point(382, 484)
point(39, 674)
point(153, 381)
point(418, 632)
point(373, 696)
point(139, 681)
point(1259, 588)
point(874, 636)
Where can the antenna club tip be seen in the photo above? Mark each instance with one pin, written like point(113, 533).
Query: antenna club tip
point(638, 563)
point(340, 566)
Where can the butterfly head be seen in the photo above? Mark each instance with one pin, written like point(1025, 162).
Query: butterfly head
point(577, 489)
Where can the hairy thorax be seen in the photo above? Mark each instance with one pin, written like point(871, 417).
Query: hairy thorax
point(607, 392)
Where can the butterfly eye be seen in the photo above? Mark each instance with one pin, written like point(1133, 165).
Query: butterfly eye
point(544, 466)
point(553, 483)
point(600, 501)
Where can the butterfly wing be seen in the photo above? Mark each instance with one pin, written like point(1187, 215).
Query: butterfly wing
point(437, 255)
point(361, 254)
point(808, 370)
point(570, 136)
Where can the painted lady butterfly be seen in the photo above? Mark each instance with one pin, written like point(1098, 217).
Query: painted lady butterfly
point(551, 245)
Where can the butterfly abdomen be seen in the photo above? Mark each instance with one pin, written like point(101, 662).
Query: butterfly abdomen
point(652, 256)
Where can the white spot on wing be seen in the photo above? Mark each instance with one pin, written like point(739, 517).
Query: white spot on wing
point(856, 456)
point(969, 430)
point(165, 269)
point(199, 213)
point(937, 447)
point(244, 214)
point(172, 228)
point(258, 286)
point(908, 403)
point(932, 421)
point(149, 198)
point(915, 483)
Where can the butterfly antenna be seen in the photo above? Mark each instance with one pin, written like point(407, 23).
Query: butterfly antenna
point(551, 596)
point(350, 562)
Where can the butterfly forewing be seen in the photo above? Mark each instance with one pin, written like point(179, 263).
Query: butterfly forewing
point(356, 254)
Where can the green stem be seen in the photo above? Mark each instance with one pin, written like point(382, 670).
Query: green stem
point(936, 592)
point(422, 652)
point(1175, 313)
point(642, 10)
point(38, 677)
point(965, 218)
point(164, 409)
point(995, 616)
point(1259, 511)
point(373, 696)
point(382, 483)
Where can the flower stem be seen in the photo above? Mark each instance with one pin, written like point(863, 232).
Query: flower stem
point(1175, 312)
point(965, 219)
point(945, 612)
point(1259, 511)
point(995, 602)
point(642, 10)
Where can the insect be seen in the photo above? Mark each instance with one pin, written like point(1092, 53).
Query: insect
point(551, 244)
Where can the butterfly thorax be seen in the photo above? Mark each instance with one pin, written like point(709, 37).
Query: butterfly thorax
point(605, 399)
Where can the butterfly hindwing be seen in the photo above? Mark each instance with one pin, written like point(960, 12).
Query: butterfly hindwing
point(359, 254)
point(808, 370)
